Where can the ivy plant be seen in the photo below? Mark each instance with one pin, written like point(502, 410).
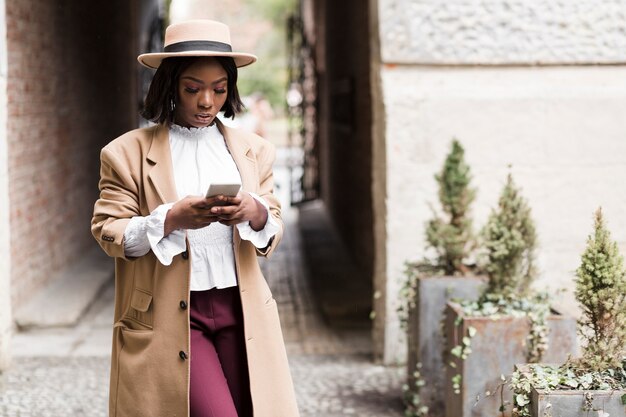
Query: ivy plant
point(569, 376)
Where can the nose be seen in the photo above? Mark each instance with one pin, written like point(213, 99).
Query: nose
point(205, 100)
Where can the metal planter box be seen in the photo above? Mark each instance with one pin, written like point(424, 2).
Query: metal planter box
point(499, 344)
point(425, 333)
point(572, 403)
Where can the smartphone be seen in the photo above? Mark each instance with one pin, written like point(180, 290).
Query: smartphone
point(229, 190)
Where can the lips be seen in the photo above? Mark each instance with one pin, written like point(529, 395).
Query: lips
point(204, 117)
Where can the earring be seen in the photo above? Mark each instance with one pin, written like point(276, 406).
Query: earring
point(172, 104)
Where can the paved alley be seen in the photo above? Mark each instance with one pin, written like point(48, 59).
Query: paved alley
point(64, 371)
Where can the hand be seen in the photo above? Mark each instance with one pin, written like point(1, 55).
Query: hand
point(240, 209)
point(192, 212)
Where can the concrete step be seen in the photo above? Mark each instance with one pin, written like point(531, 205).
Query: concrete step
point(67, 295)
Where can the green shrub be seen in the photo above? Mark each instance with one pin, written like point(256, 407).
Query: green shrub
point(510, 243)
point(601, 292)
point(450, 234)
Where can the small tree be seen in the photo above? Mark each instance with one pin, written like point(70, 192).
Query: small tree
point(510, 240)
point(451, 235)
point(601, 292)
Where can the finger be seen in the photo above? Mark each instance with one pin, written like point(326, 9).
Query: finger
point(202, 213)
point(233, 218)
point(207, 202)
point(209, 218)
point(230, 222)
point(224, 210)
point(232, 200)
point(206, 221)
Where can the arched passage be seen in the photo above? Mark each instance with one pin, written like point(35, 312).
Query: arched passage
point(71, 86)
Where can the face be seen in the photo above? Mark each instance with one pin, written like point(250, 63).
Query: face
point(202, 91)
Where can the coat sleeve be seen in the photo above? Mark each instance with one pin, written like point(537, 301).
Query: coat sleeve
point(117, 204)
point(266, 191)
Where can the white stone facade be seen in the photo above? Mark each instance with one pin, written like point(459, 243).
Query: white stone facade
point(562, 129)
point(503, 31)
point(5, 251)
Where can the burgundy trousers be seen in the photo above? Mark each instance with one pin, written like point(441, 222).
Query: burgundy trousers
point(220, 385)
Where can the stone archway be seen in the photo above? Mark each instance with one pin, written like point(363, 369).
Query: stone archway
point(68, 77)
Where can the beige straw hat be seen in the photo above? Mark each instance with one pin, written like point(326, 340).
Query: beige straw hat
point(200, 37)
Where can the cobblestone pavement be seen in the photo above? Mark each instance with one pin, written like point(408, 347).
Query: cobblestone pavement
point(64, 372)
point(55, 387)
point(332, 369)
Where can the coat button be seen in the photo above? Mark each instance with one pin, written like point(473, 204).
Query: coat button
point(182, 355)
point(183, 304)
point(185, 255)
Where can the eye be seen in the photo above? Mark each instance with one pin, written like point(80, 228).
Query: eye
point(191, 90)
point(220, 91)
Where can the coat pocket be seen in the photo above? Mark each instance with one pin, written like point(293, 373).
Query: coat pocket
point(135, 365)
point(140, 311)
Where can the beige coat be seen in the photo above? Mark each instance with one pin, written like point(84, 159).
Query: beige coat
point(149, 376)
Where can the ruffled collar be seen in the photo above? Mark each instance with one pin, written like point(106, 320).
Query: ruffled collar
point(195, 133)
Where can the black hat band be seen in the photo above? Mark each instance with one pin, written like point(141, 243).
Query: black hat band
point(209, 46)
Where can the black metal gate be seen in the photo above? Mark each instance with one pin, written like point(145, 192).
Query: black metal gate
point(302, 111)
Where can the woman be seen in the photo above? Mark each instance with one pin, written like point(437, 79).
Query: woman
point(196, 329)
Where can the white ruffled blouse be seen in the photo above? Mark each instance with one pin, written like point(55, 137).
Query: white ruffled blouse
point(199, 157)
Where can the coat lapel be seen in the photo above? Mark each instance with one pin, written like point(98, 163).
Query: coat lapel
point(161, 173)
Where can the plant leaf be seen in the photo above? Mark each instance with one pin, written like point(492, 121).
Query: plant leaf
point(521, 400)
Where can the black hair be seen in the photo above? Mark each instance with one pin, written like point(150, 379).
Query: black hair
point(163, 91)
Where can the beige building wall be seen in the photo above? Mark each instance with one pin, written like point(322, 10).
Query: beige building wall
point(516, 82)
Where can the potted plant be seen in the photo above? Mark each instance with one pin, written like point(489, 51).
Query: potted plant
point(509, 323)
point(595, 382)
point(449, 272)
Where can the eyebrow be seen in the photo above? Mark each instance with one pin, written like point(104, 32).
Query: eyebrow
point(202, 82)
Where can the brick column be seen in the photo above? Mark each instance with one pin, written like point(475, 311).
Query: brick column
point(5, 250)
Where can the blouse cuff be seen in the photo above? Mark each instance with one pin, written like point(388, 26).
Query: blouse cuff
point(136, 242)
point(164, 248)
point(260, 238)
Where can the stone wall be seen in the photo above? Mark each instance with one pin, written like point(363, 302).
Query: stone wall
point(503, 31)
point(561, 128)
